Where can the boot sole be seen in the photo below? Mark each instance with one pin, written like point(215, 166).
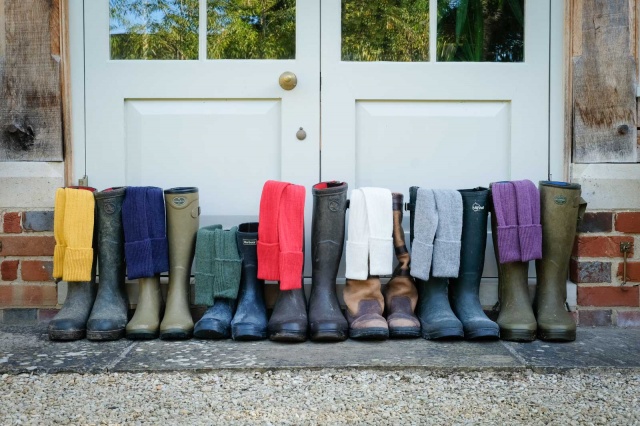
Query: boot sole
point(369, 334)
point(483, 334)
point(404, 333)
point(175, 335)
point(247, 333)
point(67, 335)
point(211, 334)
point(447, 333)
point(105, 335)
point(142, 335)
point(557, 336)
point(518, 335)
point(288, 336)
point(333, 335)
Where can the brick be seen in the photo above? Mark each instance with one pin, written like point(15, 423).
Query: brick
point(20, 316)
point(6, 295)
point(608, 296)
point(633, 271)
point(12, 223)
point(628, 319)
point(591, 246)
point(46, 315)
point(37, 270)
point(27, 245)
point(590, 272)
point(597, 318)
point(628, 222)
point(596, 222)
point(37, 295)
point(9, 270)
point(37, 221)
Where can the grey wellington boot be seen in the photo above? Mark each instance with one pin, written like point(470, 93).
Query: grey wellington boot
point(560, 209)
point(183, 220)
point(109, 314)
point(464, 291)
point(145, 323)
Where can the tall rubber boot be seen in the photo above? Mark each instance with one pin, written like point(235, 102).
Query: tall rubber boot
point(288, 322)
point(250, 319)
point(560, 208)
point(326, 321)
point(434, 310)
point(145, 323)
point(109, 314)
point(464, 291)
point(216, 321)
point(183, 213)
point(365, 306)
point(401, 295)
point(516, 320)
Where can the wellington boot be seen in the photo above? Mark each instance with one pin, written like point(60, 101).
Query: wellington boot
point(326, 321)
point(288, 322)
point(365, 306)
point(464, 291)
point(434, 311)
point(560, 208)
point(401, 295)
point(70, 323)
point(516, 319)
point(146, 320)
point(183, 214)
point(109, 317)
point(250, 319)
point(216, 321)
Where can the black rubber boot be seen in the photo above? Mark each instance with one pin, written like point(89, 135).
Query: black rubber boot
point(71, 322)
point(434, 311)
point(108, 317)
point(464, 291)
point(250, 320)
point(326, 321)
point(288, 322)
point(216, 322)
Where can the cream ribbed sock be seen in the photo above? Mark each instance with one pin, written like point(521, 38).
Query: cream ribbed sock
point(380, 218)
point(357, 238)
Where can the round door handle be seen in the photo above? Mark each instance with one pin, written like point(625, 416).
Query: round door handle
point(288, 80)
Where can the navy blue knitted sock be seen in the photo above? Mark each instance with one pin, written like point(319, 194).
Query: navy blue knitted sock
point(157, 229)
point(137, 248)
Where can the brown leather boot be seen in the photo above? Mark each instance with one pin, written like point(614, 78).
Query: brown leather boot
point(365, 305)
point(401, 295)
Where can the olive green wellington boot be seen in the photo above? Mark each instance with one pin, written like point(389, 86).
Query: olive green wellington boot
point(560, 209)
point(183, 214)
point(146, 320)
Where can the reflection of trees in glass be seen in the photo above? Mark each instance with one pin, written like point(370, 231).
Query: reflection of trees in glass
point(385, 30)
point(481, 30)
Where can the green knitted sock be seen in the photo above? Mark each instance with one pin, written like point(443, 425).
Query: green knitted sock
point(227, 264)
point(205, 255)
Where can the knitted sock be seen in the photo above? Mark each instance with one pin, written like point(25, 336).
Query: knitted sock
point(156, 221)
point(503, 195)
point(78, 234)
point(204, 257)
point(529, 228)
point(268, 246)
point(446, 247)
point(380, 218)
point(357, 238)
point(291, 237)
point(137, 247)
point(58, 233)
point(424, 230)
point(227, 264)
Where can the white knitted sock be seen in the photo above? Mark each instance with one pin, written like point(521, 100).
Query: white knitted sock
point(446, 248)
point(357, 238)
point(380, 216)
point(426, 222)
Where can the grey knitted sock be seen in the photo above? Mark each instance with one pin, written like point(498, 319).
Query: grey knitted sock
point(446, 248)
point(205, 253)
point(425, 224)
point(227, 264)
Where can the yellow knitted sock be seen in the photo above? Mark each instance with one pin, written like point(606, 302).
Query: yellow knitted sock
point(58, 233)
point(78, 233)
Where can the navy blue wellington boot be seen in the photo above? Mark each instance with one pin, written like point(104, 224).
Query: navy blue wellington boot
point(216, 322)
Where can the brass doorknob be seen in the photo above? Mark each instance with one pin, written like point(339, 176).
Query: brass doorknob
point(288, 80)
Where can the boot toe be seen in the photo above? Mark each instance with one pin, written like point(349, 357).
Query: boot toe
point(481, 328)
point(211, 329)
point(403, 326)
point(294, 331)
point(248, 331)
point(369, 327)
point(448, 328)
point(105, 329)
point(329, 330)
point(66, 329)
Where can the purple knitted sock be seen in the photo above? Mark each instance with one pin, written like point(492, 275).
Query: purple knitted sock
point(157, 229)
point(529, 229)
point(504, 202)
point(137, 248)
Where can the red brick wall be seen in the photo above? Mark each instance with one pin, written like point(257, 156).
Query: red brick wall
point(597, 268)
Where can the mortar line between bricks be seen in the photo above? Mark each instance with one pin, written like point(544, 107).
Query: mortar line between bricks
point(120, 357)
point(514, 353)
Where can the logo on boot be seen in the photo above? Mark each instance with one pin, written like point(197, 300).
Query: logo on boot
point(179, 201)
point(247, 242)
point(334, 204)
point(109, 208)
point(560, 200)
point(477, 207)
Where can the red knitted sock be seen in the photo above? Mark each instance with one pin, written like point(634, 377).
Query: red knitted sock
point(291, 237)
point(268, 247)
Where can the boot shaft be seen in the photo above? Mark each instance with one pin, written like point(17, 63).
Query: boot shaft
point(474, 230)
point(247, 239)
point(110, 235)
point(327, 224)
point(183, 212)
point(399, 245)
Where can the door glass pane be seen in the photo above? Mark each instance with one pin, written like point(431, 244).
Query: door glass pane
point(481, 30)
point(153, 29)
point(385, 30)
point(251, 29)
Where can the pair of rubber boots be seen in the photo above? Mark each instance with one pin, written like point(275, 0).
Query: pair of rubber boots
point(450, 307)
point(561, 208)
point(249, 321)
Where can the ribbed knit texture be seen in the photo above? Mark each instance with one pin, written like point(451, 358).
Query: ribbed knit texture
point(379, 204)
point(291, 237)
point(137, 246)
point(78, 234)
point(529, 228)
point(204, 264)
point(425, 225)
point(505, 209)
point(268, 246)
point(357, 250)
point(446, 247)
point(58, 233)
point(227, 264)
point(156, 221)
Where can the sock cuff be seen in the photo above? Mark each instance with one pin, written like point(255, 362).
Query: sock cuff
point(357, 257)
point(530, 237)
point(227, 278)
point(160, 255)
point(139, 259)
point(268, 261)
point(204, 288)
point(421, 256)
point(78, 263)
point(291, 264)
point(380, 256)
point(508, 243)
point(446, 258)
point(58, 260)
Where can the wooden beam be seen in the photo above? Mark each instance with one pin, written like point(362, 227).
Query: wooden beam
point(65, 91)
point(30, 95)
